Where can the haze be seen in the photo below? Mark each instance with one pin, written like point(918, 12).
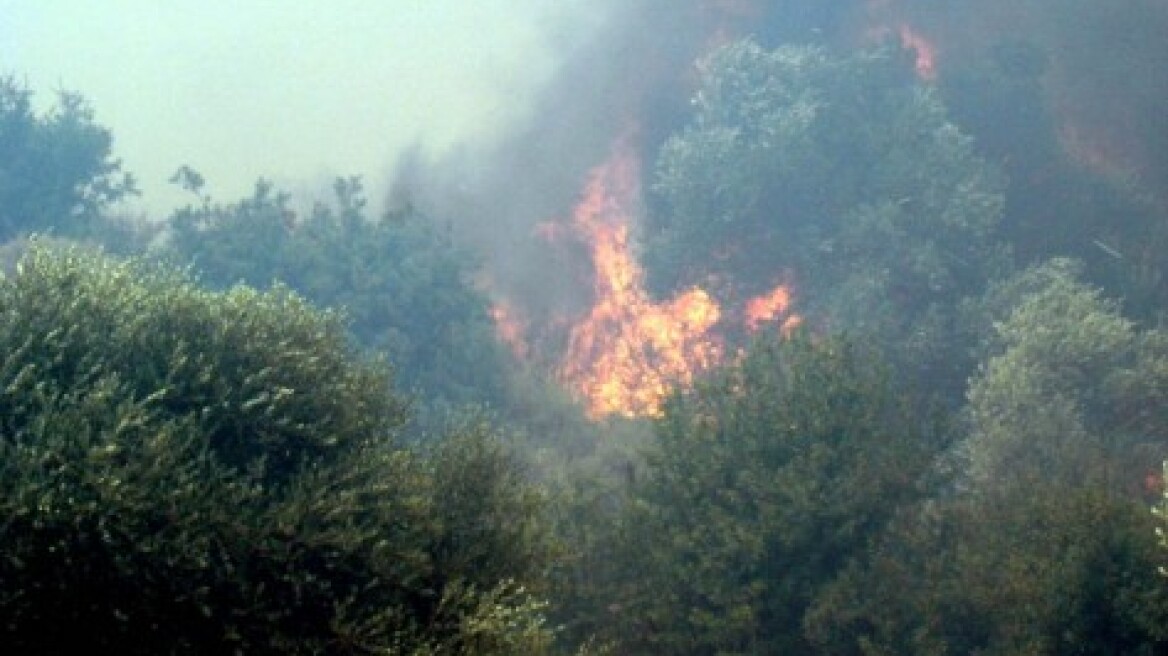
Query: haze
point(281, 90)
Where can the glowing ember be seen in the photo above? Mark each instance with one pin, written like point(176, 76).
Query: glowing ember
point(624, 356)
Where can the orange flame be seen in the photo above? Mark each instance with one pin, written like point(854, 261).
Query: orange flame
point(510, 329)
point(627, 352)
point(926, 52)
point(625, 355)
point(881, 15)
point(769, 307)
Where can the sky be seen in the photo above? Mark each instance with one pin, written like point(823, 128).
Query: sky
point(297, 92)
point(302, 91)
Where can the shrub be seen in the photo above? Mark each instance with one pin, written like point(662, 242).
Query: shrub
point(195, 472)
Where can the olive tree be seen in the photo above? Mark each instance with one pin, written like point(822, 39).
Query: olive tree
point(185, 471)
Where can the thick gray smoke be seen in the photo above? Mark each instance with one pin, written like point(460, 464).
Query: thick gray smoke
point(1105, 82)
point(629, 75)
point(627, 68)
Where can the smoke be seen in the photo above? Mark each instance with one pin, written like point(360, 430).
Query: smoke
point(1105, 80)
point(627, 70)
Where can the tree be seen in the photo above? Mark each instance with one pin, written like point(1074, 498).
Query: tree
point(1049, 569)
point(1071, 389)
point(405, 288)
point(184, 471)
point(764, 483)
point(57, 173)
point(1042, 542)
point(843, 173)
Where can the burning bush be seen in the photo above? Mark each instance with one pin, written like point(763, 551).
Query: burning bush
point(844, 171)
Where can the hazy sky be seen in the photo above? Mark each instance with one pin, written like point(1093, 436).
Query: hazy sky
point(296, 91)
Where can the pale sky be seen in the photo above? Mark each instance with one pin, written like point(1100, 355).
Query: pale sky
point(297, 91)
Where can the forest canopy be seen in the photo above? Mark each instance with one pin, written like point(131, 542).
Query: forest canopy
point(276, 424)
point(202, 472)
point(844, 171)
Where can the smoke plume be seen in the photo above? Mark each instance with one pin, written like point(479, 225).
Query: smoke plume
point(626, 70)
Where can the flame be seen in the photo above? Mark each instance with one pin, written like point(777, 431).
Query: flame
point(882, 14)
point(628, 351)
point(770, 307)
point(926, 51)
point(510, 328)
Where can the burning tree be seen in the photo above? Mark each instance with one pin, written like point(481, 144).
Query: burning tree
point(628, 351)
point(844, 171)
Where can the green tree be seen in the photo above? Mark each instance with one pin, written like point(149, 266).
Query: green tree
point(1070, 390)
point(1048, 569)
point(765, 482)
point(842, 173)
point(187, 471)
point(56, 173)
point(1042, 543)
point(405, 288)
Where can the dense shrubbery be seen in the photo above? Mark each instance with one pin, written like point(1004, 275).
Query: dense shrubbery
point(845, 174)
point(759, 488)
point(197, 472)
point(1044, 544)
point(1071, 391)
point(405, 289)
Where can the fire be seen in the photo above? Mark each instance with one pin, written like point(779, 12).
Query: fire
point(882, 14)
point(770, 307)
point(628, 351)
point(926, 52)
point(510, 328)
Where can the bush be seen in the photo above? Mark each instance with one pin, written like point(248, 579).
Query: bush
point(197, 472)
point(763, 484)
point(405, 287)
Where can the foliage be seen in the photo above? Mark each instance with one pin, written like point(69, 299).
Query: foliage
point(596, 576)
point(1043, 544)
point(842, 171)
point(1074, 391)
point(253, 358)
point(57, 173)
point(493, 518)
point(764, 483)
point(405, 289)
point(197, 472)
point(1051, 569)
